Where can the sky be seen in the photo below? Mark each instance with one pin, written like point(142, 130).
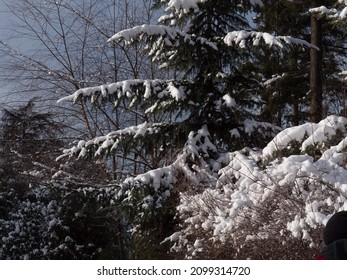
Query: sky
point(8, 99)
point(4, 16)
point(5, 99)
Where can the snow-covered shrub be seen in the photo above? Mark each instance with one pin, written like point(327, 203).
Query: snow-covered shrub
point(54, 222)
point(265, 206)
point(310, 138)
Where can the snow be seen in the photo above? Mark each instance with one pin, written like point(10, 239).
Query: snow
point(344, 75)
point(110, 142)
point(130, 34)
point(343, 14)
point(148, 90)
point(308, 134)
point(135, 90)
point(166, 35)
point(322, 10)
point(274, 79)
point(282, 140)
point(241, 38)
point(173, 238)
point(203, 148)
point(193, 5)
point(176, 93)
point(287, 179)
point(253, 178)
point(123, 88)
point(185, 5)
point(229, 101)
point(339, 14)
point(251, 126)
point(53, 222)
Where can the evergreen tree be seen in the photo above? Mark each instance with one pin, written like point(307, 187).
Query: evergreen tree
point(222, 96)
point(204, 44)
point(328, 24)
point(284, 75)
point(301, 86)
point(210, 106)
point(29, 143)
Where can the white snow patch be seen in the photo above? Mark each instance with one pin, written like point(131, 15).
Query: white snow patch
point(241, 38)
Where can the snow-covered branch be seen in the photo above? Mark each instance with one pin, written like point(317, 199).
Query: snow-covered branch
point(185, 6)
point(168, 36)
point(343, 74)
point(108, 143)
point(334, 14)
point(193, 5)
point(309, 135)
point(254, 38)
point(132, 89)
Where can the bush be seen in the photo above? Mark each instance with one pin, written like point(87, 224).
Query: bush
point(54, 222)
point(268, 207)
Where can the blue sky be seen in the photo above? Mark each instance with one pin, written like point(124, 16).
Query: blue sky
point(4, 17)
point(6, 100)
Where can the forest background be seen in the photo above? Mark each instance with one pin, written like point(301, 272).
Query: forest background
point(180, 129)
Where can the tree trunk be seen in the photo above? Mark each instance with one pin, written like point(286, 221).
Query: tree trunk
point(316, 84)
